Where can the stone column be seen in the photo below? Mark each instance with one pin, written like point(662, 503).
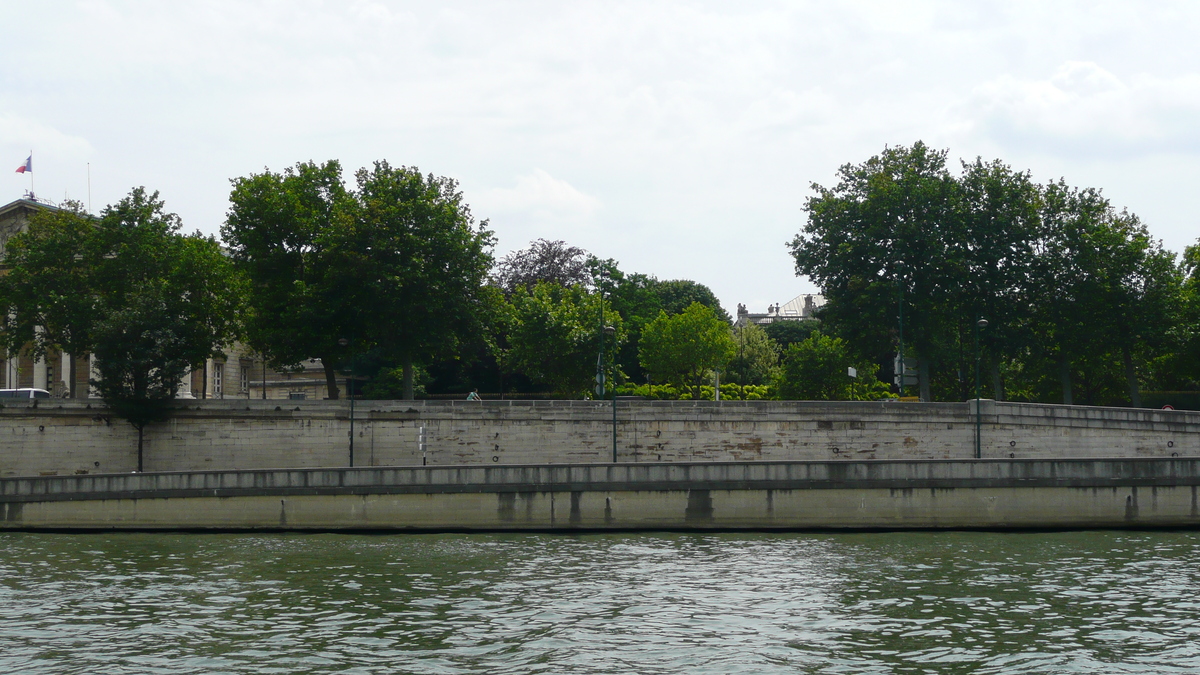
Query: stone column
point(64, 372)
point(93, 374)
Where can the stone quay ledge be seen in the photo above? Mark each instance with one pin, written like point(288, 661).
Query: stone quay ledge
point(761, 495)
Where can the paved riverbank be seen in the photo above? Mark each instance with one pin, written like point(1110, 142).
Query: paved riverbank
point(1001, 494)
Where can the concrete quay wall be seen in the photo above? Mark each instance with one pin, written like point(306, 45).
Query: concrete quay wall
point(837, 495)
point(81, 437)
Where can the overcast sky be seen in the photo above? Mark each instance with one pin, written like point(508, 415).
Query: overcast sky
point(679, 138)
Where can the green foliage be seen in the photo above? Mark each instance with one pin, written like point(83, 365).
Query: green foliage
point(675, 296)
point(685, 347)
point(757, 356)
point(282, 231)
point(555, 335)
point(1081, 302)
point(394, 267)
point(150, 303)
point(669, 392)
point(388, 384)
point(817, 370)
point(49, 264)
point(787, 333)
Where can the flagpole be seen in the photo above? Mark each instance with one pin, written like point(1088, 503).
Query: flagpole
point(32, 194)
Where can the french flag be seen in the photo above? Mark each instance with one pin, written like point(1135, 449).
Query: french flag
point(27, 166)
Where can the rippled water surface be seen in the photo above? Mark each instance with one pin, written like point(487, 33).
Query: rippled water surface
point(1087, 602)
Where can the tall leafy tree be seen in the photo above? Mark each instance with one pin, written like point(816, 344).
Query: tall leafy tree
point(818, 369)
point(46, 287)
point(756, 358)
point(686, 347)
point(1000, 228)
point(283, 231)
point(416, 260)
point(394, 267)
point(542, 260)
point(154, 303)
point(676, 295)
point(886, 230)
point(556, 334)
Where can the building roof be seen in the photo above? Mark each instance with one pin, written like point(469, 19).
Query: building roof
point(800, 307)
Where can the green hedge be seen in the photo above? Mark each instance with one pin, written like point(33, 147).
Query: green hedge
point(1180, 400)
point(668, 392)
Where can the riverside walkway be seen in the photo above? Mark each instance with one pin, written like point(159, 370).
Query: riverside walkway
point(761, 495)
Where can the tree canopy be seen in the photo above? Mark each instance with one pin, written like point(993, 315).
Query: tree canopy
point(149, 303)
point(395, 266)
point(542, 260)
point(684, 348)
point(1073, 289)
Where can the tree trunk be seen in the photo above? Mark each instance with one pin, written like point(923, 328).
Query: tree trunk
point(1064, 376)
point(1135, 396)
point(408, 379)
point(923, 376)
point(330, 378)
point(997, 383)
point(141, 431)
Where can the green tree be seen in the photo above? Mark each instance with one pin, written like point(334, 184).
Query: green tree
point(676, 295)
point(1104, 292)
point(817, 369)
point(888, 227)
point(394, 268)
point(996, 250)
point(555, 335)
point(756, 358)
point(685, 347)
point(158, 303)
point(44, 288)
point(417, 262)
point(283, 231)
point(787, 333)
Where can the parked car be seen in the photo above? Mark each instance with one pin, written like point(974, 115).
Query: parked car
point(24, 393)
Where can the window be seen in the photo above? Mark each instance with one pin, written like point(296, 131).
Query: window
point(218, 376)
point(244, 385)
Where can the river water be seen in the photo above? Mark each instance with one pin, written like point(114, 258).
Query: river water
point(951, 602)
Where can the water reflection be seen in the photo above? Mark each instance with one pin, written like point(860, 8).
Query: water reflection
point(643, 603)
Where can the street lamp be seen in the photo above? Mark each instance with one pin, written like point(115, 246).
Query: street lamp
point(900, 309)
point(601, 376)
point(979, 324)
point(609, 330)
point(349, 392)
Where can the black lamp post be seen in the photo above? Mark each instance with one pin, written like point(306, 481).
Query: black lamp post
point(609, 330)
point(979, 324)
point(900, 309)
point(349, 392)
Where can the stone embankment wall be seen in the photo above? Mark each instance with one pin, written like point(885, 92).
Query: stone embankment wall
point(998, 493)
point(76, 437)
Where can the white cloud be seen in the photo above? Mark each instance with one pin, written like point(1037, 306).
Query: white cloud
point(678, 137)
point(1083, 108)
point(538, 205)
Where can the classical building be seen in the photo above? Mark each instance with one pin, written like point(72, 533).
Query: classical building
point(799, 307)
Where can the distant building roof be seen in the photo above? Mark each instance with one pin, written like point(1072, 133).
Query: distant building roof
point(799, 307)
point(14, 217)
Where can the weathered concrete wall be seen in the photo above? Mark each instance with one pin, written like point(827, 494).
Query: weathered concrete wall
point(746, 495)
point(68, 437)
